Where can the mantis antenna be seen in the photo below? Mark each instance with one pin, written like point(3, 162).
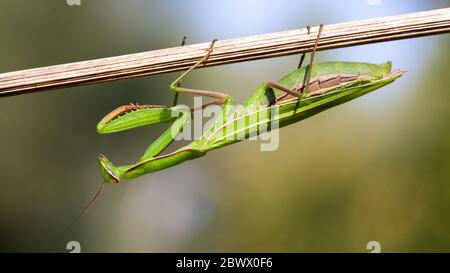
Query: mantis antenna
point(91, 202)
point(96, 196)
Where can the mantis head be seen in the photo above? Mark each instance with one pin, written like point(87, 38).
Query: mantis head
point(109, 171)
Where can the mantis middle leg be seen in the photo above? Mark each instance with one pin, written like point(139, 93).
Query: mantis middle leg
point(289, 91)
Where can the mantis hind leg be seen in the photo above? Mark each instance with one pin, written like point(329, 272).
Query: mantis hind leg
point(306, 82)
point(311, 61)
point(175, 99)
point(302, 57)
point(219, 97)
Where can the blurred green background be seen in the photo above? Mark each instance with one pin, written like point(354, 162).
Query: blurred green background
point(377, 168)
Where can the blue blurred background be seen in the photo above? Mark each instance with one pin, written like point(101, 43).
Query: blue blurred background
point(377, 168)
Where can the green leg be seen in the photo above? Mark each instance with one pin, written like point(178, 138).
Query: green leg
point(114, 174)
point(276, 85)
point(163, 141)
point(151, 161)
point(218, 96)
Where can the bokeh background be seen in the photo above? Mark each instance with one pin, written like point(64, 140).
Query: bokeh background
point(377, 168)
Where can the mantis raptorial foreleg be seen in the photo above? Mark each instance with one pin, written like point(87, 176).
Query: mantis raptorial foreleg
point(159, 145)
point(163, 114)
point(154, 116)
point(164, 140)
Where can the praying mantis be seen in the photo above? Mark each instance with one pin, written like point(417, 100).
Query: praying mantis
point(300, 94)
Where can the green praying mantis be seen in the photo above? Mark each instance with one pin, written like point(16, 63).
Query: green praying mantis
point(300, 94)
